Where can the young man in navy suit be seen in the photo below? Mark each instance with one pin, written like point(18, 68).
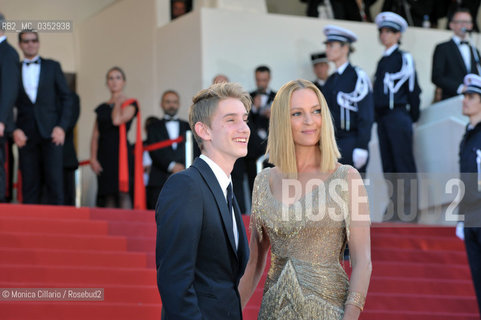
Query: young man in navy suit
point(202, 250)
point(45, 107)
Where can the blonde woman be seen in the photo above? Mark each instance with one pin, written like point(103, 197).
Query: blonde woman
point(305, 210)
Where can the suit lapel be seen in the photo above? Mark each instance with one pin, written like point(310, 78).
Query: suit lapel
point(458, 56)
point(41, 77)
point(214, 187)
point(243, 244)
point(164, 132)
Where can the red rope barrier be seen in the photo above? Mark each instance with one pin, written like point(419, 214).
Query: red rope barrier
point(150, 147)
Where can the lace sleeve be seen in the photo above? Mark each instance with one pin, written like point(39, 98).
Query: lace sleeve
point(255, 224)
point(358, 209)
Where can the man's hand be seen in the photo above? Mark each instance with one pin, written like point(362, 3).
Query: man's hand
point(257, 102)
point(19, 138)
point(2, 129)
point(58, 136)
point(178, 167)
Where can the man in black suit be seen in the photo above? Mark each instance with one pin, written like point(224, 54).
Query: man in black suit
point(262, 99)
point(9, 76)
point(202, 249)
point(169, 160)
point(454, 59)
point(44, 106)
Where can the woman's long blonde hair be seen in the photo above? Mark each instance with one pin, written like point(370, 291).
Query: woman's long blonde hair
point(280, 144)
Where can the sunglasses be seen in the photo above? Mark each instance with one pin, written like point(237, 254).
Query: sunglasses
point(30, 40)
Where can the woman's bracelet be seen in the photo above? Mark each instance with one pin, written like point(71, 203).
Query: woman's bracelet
point(356, 299)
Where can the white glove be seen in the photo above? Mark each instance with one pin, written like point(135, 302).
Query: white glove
point(460, 230)
point(359, 157)
point(460, 89)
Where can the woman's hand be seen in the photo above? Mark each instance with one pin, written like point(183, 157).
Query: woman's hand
point(96, 167)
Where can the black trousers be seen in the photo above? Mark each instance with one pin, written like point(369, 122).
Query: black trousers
point(472, 240)
point(41, 161)
point(152, 195)
point(3, 178)
point(69, 186)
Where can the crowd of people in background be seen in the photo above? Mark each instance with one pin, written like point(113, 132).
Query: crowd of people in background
point(392, 100)
point(46, 112)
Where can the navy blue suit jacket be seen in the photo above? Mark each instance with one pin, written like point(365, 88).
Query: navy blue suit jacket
point(198, 268)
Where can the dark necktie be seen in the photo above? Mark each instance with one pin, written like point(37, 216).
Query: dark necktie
point(464, 42)
point(230, 197)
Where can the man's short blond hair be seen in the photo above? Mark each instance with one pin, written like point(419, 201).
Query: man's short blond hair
point(205, 103)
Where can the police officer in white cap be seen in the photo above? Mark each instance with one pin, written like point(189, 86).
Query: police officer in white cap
point(320, 66)
point(348, 93)
point(396, 101)
point(470, 167)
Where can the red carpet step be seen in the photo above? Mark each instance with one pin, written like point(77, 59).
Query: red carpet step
point(419, 272)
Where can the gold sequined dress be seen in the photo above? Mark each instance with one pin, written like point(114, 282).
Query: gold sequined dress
point(305, 280)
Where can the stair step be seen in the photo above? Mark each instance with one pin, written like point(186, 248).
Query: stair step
point(421, 286)
point(80, 310)
point(53, 226)
point(122, 215)
point(421, 270)
point(416, 242)
point(72, 242)
point(418, 302)
point(37, 211)
point(417, 255)
point(428, 315)
point(133, 229)
point(403, 229)
point(83, 276)
point(51, 257)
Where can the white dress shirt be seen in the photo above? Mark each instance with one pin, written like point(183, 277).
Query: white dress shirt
point(173, 129)
point(30, 78)
point(3, 38)
point(464, 49)
point(172, 125)
point(224, 182)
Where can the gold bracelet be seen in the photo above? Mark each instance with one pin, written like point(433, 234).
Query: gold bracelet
point(356, 299)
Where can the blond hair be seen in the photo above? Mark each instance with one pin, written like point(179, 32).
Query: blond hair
point(205, 103)
point(280, 144)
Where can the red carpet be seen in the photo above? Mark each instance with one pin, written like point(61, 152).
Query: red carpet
point(418, 272)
